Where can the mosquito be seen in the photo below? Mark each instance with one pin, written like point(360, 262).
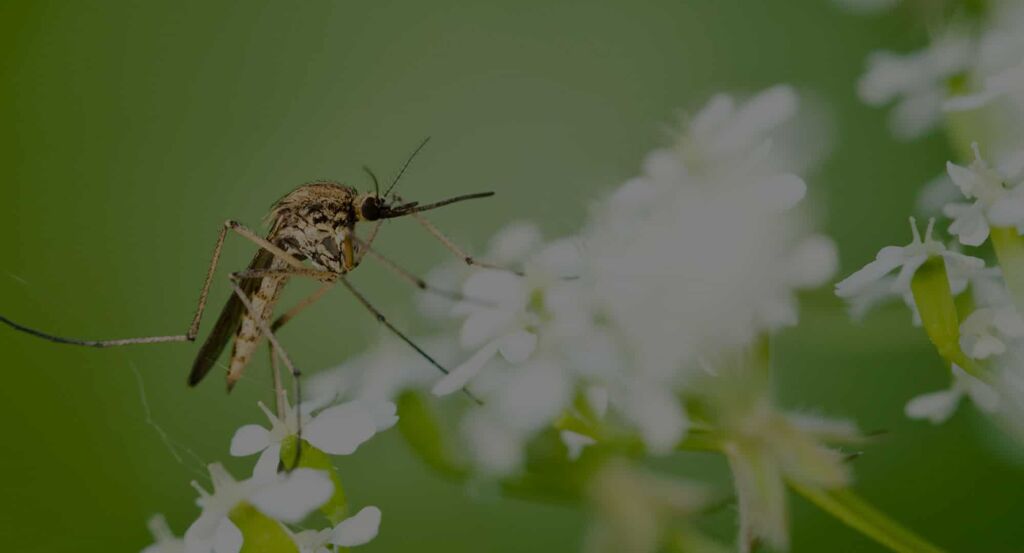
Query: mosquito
point(312, 235)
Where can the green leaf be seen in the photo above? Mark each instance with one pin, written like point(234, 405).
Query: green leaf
point(260, 533)
point(419, 425)
point(336, 509)
point(939, 317)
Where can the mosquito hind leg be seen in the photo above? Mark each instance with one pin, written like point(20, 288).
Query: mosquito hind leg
point(193, 329)
point(278, 349)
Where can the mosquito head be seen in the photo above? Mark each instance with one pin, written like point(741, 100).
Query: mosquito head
point(370, 207)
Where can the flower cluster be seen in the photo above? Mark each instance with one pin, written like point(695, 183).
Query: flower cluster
point(291, 479)
point(969, 78)
point(646, 326)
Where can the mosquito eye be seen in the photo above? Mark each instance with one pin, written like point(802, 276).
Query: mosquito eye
point(370, 210)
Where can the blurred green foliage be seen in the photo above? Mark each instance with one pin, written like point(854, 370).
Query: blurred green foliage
point(131, 130)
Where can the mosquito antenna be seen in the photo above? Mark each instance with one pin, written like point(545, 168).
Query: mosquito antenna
point(376, 183)
point(406, 165)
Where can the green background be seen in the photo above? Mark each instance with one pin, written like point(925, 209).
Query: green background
point(130, 130)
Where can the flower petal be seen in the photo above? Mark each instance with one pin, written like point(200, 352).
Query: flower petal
point(228, 538)
point(986, 346)
point(656, 413)
point(936, 407)
point(1007, 212)
point(266, 465)
point(384, 413)
point(497, 449)
point(517, 347)
point(461, 375)
point(969, 224)
point(357, 530)
point(341, 429)
point(534, 396)
point(781, 192)
point(984, 396)
point(494, 285)
point(295, 495)
point(485, 324)
point(888, 259)
point(249, 439)
point(966, 180)
point(575, 442)
point(514, 243)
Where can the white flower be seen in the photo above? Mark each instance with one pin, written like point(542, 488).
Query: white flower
point(995, 201)
point(386, 370)
point(935, 194)
point(509, 248)
point(505, 312)
point(520, 400)
point(166, 542)
point(768, 447)
point(985, 331)
point(354, 531)
point(1005, 82)
point(724, 134)
point(937, 407)
point(285, 497)
point(918, 81)
point(709, 266)
point(656, 412)
point(908, 259)
point(336, 430)
point(634, 509)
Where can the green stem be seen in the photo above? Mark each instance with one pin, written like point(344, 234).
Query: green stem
point(856, 513)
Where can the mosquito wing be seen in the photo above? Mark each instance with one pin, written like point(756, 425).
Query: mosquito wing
point(228, 322)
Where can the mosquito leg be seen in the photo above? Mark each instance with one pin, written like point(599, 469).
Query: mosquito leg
point(384, 321)
point(366, 243)
point(455, 249)
point(94, 343)
point(419, 282)
point(279, 393)
point(285, 358)
point(193, 329)
point(302, 305)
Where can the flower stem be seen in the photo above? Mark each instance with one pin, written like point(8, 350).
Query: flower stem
point(856, 513)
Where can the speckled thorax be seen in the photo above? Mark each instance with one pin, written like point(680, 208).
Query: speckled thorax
point(312, 222)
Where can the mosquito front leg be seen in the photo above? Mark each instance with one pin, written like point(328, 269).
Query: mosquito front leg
point(366, 243)
point(455, 249)
point(384, 321)
point(417, 281)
